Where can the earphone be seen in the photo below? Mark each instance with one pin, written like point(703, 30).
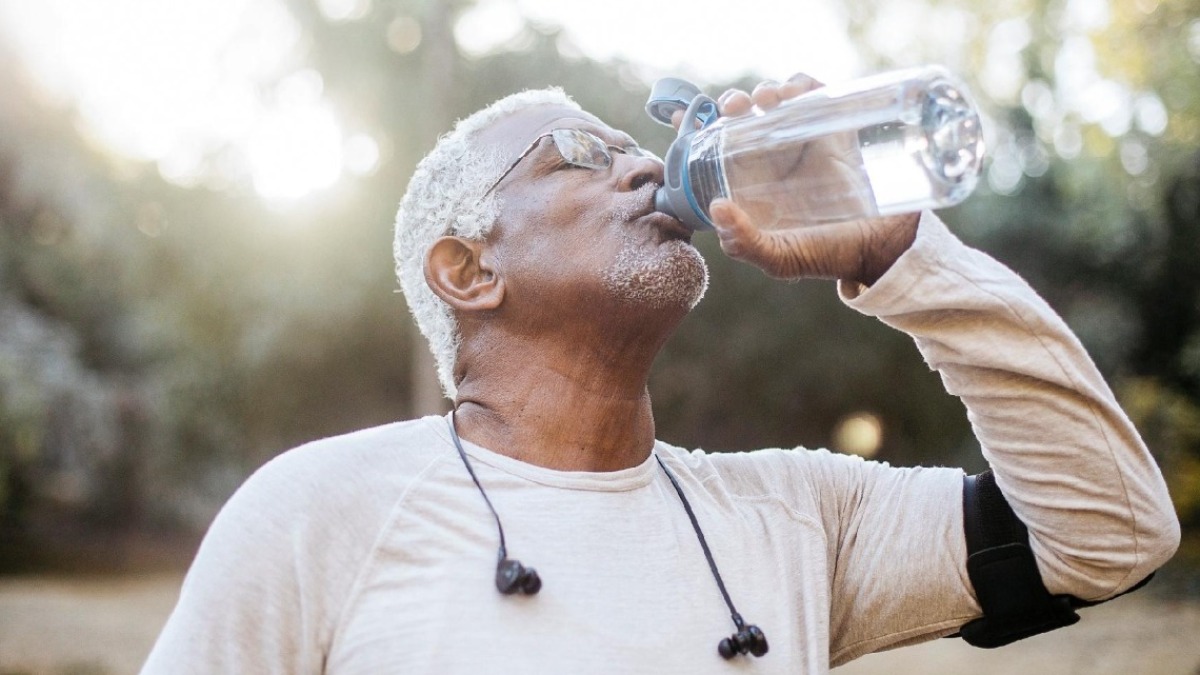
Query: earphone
point(513, 577)
point(748, 639)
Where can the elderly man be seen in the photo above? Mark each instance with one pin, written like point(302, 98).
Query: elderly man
point(533, 261)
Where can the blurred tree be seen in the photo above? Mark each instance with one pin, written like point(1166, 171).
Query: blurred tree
point(158, 342)
point(1091, 189)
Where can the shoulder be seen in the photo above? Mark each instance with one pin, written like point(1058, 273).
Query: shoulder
point(768, 470)
point(353, 465)
point(812, 480)
point(288, 546)
point(340, 487)
point(273, 573)
point(316, 510)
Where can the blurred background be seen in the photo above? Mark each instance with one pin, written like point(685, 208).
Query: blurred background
point(195, 269)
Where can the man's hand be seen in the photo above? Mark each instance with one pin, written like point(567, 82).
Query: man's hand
point(855, 250)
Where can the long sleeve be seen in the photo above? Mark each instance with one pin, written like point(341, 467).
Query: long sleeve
point(1066, 457)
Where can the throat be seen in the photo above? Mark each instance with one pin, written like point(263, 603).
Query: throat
point(561, 432)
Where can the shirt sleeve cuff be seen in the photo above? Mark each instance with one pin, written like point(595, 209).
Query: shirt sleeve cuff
point(934, 244)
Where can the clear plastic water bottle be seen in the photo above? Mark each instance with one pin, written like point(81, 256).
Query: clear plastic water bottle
point(893, 143)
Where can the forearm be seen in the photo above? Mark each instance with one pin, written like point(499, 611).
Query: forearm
point(1065, 455)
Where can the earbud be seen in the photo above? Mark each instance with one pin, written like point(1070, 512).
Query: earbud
point(750, 639)
point(512, 576)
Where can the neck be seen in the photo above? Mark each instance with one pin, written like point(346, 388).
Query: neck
point(565, 405)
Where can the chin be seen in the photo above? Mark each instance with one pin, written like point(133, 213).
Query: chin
point(672, 276)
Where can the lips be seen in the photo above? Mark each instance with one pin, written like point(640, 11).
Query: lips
point(639, 209)
point(668, 226)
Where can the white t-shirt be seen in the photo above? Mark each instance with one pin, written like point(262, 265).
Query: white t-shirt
point(375, 553)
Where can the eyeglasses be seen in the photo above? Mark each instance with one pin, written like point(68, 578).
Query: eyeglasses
point(579, 148)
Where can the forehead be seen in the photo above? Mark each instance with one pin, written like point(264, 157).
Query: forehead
point(514, 132)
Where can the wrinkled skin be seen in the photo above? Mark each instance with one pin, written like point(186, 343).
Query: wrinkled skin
point(564, 306)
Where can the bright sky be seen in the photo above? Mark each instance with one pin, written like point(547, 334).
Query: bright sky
point(169, 81)
point(706, 39)
point(174, 81)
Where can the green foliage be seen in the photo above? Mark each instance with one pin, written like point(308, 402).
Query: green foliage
point(1170, 424)
point(185, 336)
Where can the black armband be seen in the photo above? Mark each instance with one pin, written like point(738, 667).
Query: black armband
point(1004, 572)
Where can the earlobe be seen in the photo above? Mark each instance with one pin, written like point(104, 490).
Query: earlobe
point(458, 272)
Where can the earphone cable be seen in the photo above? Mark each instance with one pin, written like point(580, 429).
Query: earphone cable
point(712, 564)
point(463, 453)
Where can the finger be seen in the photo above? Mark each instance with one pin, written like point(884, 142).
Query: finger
point(735, 230)
point(798, 84)
point(734, 102)
point(781, 255)
point(766, 94)
point(729, 218)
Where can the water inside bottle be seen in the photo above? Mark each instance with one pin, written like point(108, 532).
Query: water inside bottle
point(837, 157)
point(925, 162)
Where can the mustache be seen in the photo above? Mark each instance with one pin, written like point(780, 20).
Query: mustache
point(637, 203)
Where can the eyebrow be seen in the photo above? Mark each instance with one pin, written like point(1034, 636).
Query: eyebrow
point(625, 140)
point(608, 135)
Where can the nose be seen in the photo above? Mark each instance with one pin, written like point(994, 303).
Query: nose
point(638, 171)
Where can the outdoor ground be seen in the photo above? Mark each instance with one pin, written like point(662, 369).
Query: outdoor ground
point(105, 626)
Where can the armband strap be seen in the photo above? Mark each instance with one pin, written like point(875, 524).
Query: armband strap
point(1004, 572)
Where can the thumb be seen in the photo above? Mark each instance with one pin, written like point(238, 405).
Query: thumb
point(735, 230)
point(781, 255)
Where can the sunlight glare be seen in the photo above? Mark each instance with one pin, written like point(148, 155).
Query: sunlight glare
point(361, 155)
point(487, 26)
point(1151, 114)
point(190, 87)
point(404, 34)
point(1003, 74)
point(295, 150)
point(184, 85)
point(765, 37)
point(344, 10)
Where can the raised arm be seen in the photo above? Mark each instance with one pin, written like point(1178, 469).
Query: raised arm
point(1066, 457)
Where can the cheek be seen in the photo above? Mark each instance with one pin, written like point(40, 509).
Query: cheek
point(544, 236)
point(558, 270)
point(556, 240)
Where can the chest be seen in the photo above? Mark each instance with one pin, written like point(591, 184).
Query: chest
point(626, 586)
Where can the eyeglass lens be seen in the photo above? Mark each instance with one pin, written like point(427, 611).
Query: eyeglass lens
point(581, 148)
point(587, 150)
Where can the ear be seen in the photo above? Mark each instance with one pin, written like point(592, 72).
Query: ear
point(459, 273)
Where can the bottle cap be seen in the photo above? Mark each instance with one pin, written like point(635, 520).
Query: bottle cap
point(670, 94)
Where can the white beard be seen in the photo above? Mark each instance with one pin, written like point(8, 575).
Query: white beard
point(671, 274)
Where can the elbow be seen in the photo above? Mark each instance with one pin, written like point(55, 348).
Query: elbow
point(1155, 538)
point(1161, 544)
point(1153, 550)
point(1110, 565)
point(1152, 547)
point(1151, 535)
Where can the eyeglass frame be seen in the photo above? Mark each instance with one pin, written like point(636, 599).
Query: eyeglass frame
point(640, 152)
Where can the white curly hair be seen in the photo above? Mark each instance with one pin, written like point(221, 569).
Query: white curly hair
point(446, 196)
